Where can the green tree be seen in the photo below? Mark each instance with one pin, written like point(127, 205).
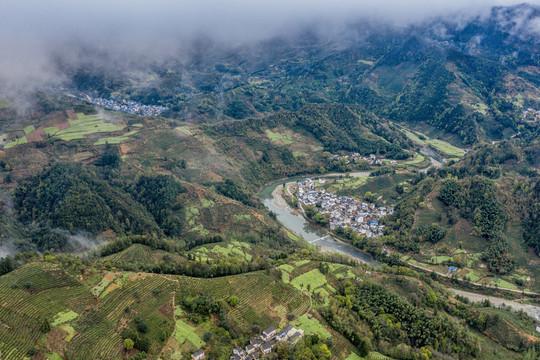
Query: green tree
point(368, 196)
point(45, 326)
point(128, 344)
point(363, 348)
point(233, 300)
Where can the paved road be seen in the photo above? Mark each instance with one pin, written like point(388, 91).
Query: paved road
point(434, 163)
point(353, 174)
point(532, 310)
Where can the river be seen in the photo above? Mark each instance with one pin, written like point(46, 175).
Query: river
point(272, 199)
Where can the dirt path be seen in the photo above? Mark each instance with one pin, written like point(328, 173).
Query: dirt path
point(532, 310)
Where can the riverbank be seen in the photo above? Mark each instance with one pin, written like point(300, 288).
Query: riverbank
point(531, 310)
point(294, 221)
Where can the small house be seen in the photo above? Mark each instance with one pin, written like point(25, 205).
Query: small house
point(250, 349)
point(197, 355)
point(240, 352)
point(255, 342)
point(269, 333)
point(267, 346)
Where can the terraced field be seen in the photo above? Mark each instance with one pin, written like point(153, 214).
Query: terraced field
point(28, 296)
point(232, 249)
point(259, 295)
point(83, 126)
point(439, 145)
point(144, 254)
point(115, 139)
point(87, 314)
point(98, 328)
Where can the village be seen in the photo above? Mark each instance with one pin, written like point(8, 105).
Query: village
point(261, 345)
point(371, 159)
point(531, 114)
point(344, 211)
point(128, 106)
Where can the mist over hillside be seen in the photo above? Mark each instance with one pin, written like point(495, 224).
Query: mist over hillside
point(44, 45)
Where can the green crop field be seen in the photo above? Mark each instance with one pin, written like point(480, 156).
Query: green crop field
point(70, 331)
point(288, 268)
point(28, 129)
point(417, 160)
point(232, 249)
point(439, 145)
point(276, 136)
point(285, 277)
point(414, 138)
point(366, 62)
point(503, 284)
point(292, 236)
point(313, 279)
point(98, 289)
point(446, 148)
point(115, 139)
point(440, 259)
point(51, 130)
point(312, 326)
point(83, 126)
point(354, 356)
point(64, 317)
point(301, 263)
point(373, 355)
point(472, 276)
point(15, 142)
point(183, 332)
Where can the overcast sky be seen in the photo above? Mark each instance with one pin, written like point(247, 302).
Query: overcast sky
point(31, 29)
point(233, 19)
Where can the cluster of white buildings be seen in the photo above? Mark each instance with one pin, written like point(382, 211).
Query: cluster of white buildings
point(262, 345)
point(531, 113)
point(344, 211)
point(371, 159)
point(128, 106)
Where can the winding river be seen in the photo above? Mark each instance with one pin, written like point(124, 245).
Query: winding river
point(274, 201)
point(271, 196)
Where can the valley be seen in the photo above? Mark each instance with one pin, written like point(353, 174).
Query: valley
point(341, 188)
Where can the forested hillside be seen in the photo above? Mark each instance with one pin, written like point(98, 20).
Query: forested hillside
point(374, 187)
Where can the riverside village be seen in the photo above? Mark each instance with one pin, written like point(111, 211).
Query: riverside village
point(344, 211)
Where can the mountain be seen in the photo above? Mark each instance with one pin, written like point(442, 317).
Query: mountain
point(132, 223)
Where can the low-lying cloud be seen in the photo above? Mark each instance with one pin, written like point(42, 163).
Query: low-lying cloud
point(34, 34)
